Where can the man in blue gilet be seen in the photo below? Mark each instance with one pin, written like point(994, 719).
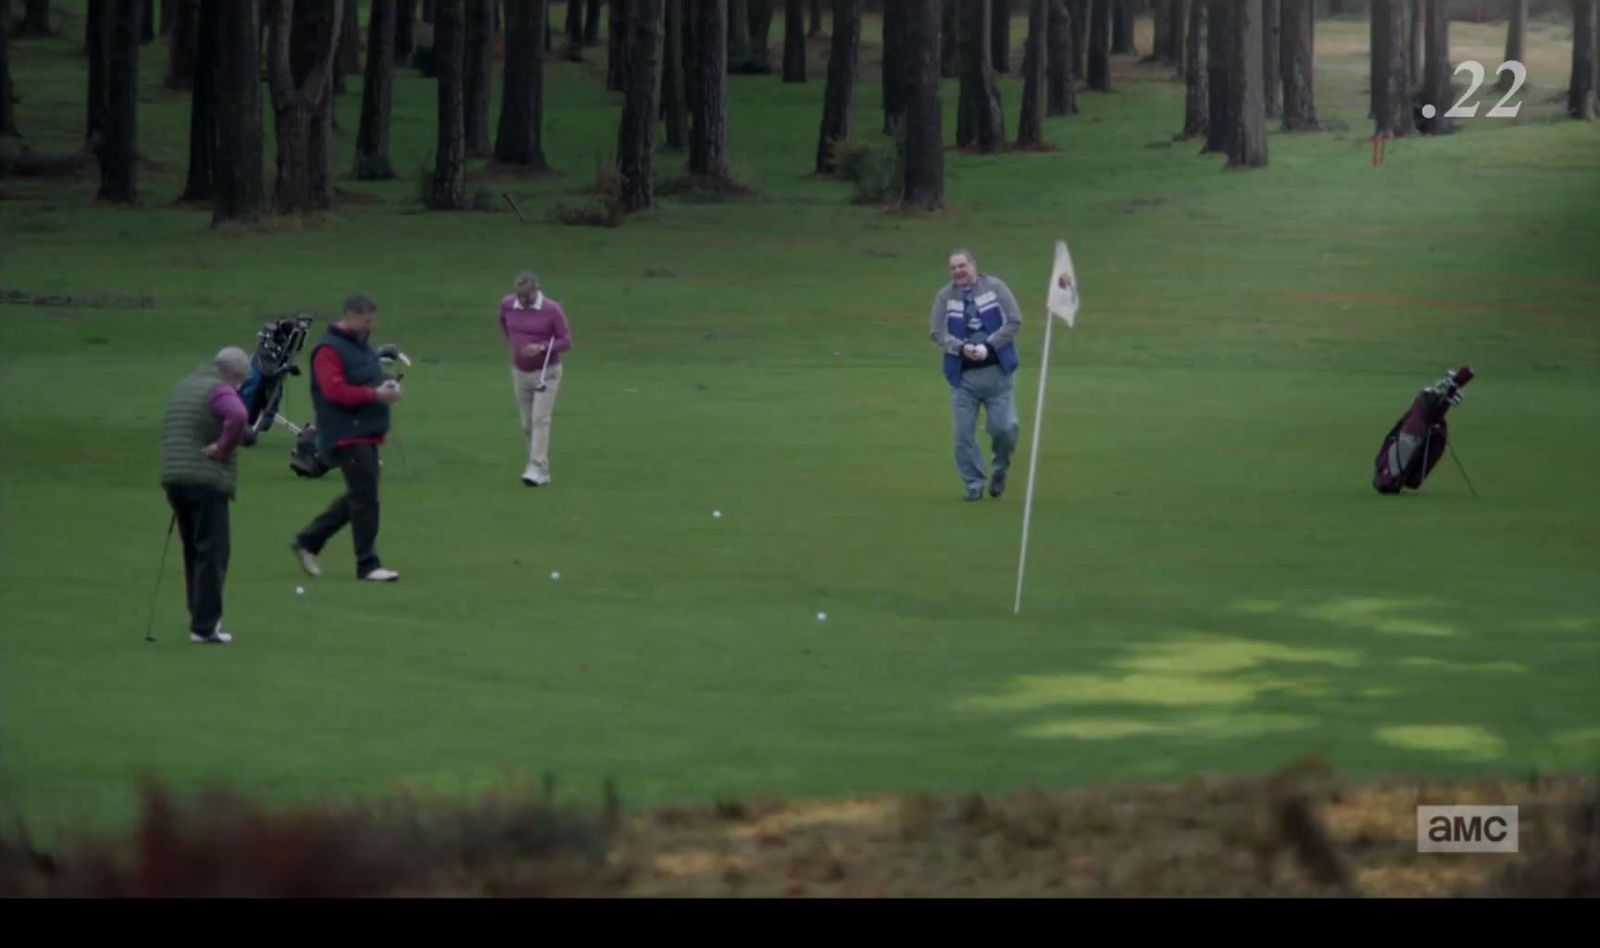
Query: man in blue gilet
point(975, 320)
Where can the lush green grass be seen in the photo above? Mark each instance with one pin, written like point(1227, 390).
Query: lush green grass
point(1213, 586)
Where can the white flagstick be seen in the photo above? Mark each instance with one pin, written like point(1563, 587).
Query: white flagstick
point(1033, 458)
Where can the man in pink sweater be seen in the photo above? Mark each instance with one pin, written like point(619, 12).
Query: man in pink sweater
point(536, 333)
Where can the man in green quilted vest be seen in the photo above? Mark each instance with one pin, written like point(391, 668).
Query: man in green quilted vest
point(205, 423)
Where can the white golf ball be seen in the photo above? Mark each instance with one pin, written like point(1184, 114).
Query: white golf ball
point(556, 574)
point(299, 590)
point(822, 617)
point(716, 513)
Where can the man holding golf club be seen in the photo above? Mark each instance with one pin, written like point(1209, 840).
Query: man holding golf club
point(536, 332)
point(205, 423)
point(352, 398)
point(975, 320)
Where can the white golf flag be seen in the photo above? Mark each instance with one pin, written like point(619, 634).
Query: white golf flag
point(1063, 298)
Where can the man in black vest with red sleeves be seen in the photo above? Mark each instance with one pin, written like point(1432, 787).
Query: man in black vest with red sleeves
point(352, 398)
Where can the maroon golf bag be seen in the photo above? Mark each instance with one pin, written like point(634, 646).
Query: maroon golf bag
point(1418, 440)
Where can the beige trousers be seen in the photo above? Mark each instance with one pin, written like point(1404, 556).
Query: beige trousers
point(537, 408)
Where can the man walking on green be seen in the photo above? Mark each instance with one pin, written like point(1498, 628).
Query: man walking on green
point(975, 320)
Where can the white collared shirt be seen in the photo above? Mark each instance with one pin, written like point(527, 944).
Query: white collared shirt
point(538, 301)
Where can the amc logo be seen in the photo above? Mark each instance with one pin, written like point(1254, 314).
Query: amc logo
point(1466, 829)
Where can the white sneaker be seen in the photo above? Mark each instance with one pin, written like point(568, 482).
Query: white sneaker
point(308, 560)
point(381, 575)
point(218, 637)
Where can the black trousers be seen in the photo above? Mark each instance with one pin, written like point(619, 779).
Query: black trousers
point(202, 514)
point(357, 506)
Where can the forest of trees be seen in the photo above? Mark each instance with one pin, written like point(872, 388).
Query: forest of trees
point(1242, 63)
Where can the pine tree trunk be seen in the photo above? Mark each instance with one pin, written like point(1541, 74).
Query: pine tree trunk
point(97, 43)
point(405, 33)
point(1161, 24)
point(1247, 147)
point(674, 97)
point(1121, 27)
point(1581, 84)
point(1272, 41)
point(1516, 40)
point(1082, 13)
point(8, 116)
point(203, 107)
point(794, 41)
point(519, 140)
point(708, 141)
point(760, 36)
point(427, 12)
point(1061, 98)
point(236, 168)
point(981, 123)
point(183, 46)
point(147, 22)
point(118, 152)
point(477, 73)
point(303, 40)
point(377, 93)
point(1000, 35)
point(738, 35)
point(1436, 70)
point(838, 99)
point(1177, 25)
point(924, 129)
point(1035, 56)
point(1100, 20)
point(169, 16)
point(449, 191)
point(617, 45)
point(950, 39)
point(1219, 56)
point(574, 29)
point(1298, 27)
point(814, 28)
point(36, 19)
point(348, 62)
point(1197, 73)
point(894, 71)
point(1416, 30)
point(591, 24)
point(1391, 87)
point(636, 139)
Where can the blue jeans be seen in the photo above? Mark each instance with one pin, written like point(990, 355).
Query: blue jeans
point(991, 388)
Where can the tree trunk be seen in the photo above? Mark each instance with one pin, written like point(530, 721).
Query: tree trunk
point(1436, 70)
point(183, 46)
point(449, 191)
point(202, 106)
point(574, 29)
point(1035, 56)
point(949, 40)
point(348, 61)
point(147, 22)
point(1271, 71)
point(427, 12)
point(1159, 41)
point(1122, 27)
point(1415, 30)
point(97, 39)
point(1197, 73)
point(1391, 100)
point(591, 24)
point(814, 29)
point(1296, 55)
point(1219, 57)
point(1177, 24)
point(674, 95)
point(8, 117)
point(1081, 14)
point(838, 100)
point(708, 143)
point(760, 36)
point(477, 73)
point(924, 128)
point(1516, 40)
point(1100, 20)
point(36, 18)
point(236, 168)
point(617, 45)
point(118, 152)
point(520, 138)
point(1060, 98)
point(794, 41)
point(636, 139)
point(405, 32)
point(377, 93)
point(980, 121)
point(169, 15)
point(1247, 147)
point(738, 35)
point(894, 71)
point(1000, 34)
point(303, 41)
point(1581, 101)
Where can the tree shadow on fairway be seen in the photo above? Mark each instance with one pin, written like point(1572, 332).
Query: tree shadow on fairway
point(1373, 685)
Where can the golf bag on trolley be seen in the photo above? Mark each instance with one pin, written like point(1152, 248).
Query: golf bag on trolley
point(1418, 440)
point(277, 345)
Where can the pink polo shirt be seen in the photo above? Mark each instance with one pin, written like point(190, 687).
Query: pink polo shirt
point(534, 324)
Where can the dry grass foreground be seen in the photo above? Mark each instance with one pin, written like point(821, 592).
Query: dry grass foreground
point(1301, 833)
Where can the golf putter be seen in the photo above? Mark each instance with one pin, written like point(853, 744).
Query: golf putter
point(156, 593)
point(549, 347)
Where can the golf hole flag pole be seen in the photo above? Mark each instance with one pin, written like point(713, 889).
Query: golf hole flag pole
point(1062, 303)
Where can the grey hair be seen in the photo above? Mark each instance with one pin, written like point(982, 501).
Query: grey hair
point(232, 360)
point(964, 252)
point(526, 276)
